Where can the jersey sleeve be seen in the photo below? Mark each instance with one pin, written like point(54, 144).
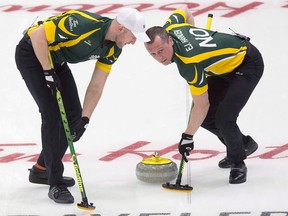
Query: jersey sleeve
point(195, 77)
point(177, 17)
point(105, 63)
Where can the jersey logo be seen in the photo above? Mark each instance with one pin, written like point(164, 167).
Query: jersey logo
point(94, 57)
point(72, 23)
point(88, 42)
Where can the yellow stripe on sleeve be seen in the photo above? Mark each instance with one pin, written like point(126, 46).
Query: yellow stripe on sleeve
point(195, 77)
point(198, 91)
point(177, 25)
point(182, 13)
point(103, 66)
point(111, 52)
point(50, 29)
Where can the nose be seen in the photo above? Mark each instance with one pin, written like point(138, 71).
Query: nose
point(159, 57)
point(133, 40)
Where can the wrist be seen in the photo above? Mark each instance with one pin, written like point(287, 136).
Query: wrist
point(85, 119)
point(49, 72)
point(187, 136)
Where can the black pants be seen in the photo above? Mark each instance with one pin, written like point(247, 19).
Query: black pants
point(228, 94)
point(54, 143)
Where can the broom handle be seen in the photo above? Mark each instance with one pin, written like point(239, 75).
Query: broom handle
point(181, 167)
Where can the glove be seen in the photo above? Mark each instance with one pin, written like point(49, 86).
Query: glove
point(79, 128)
point(52, 80)
point(186, 145)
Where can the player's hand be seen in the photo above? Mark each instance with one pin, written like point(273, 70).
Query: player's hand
point(186, 145)
point(79, 128)
point(52, 80)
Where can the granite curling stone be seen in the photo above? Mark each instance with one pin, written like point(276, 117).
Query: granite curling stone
point(156, 169)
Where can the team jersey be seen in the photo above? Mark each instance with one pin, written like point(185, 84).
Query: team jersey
point(77, 36)
point(199, 52)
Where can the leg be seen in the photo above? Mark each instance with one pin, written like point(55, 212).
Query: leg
point(217, 90)
point(241, 85)
point(52, 149)
point(50, 128)
point(71, 102)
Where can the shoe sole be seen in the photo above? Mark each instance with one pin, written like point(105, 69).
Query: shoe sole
point(238, 182)
point(69, 182)
point(60, 201)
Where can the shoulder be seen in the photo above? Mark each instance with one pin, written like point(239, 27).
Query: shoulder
point(182, 15)
point(86, 15)
point(178, 16)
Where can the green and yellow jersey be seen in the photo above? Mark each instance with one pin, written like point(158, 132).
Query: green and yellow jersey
point(199, 52)
point(77, 36)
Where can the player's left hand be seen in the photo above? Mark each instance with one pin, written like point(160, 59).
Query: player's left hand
point(52, 80)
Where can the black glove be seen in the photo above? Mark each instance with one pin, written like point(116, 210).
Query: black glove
point(186, 145)
point(52, 80)
point(79, 128)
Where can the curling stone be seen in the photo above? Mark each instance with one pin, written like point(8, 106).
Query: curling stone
point(156, 169)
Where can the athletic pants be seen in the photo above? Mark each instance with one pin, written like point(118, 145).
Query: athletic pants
point(54, 143)
point(228, 94)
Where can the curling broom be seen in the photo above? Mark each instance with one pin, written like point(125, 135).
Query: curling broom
point(85, 205)
point(177, 186)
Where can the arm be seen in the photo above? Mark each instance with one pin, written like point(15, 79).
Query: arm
point(94, 91)
point(197, 116)
point(40, 46)
point(92, 97)
point(198, 112)
point(189, 16)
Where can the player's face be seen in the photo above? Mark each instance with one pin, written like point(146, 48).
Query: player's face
point(160, 50)
point(125, 37)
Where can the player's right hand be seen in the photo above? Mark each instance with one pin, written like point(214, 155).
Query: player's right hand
point(186, 145)
point(79, 128)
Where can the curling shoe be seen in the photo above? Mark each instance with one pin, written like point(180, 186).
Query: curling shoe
point(39, 176)
point(250, 147)
point(60, 194)
point(238, 173)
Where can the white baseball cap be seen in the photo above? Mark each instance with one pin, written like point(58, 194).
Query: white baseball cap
point(134, 21)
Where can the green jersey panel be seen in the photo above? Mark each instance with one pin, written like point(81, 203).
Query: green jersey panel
point(77, 36)
point(199, 52)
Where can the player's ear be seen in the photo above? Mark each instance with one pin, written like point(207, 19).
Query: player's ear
point(120, 28)
point(170, 40)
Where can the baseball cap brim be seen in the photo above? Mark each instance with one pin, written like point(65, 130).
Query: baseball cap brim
point(142, 36)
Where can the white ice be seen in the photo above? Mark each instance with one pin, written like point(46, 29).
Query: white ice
point(146, 101)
